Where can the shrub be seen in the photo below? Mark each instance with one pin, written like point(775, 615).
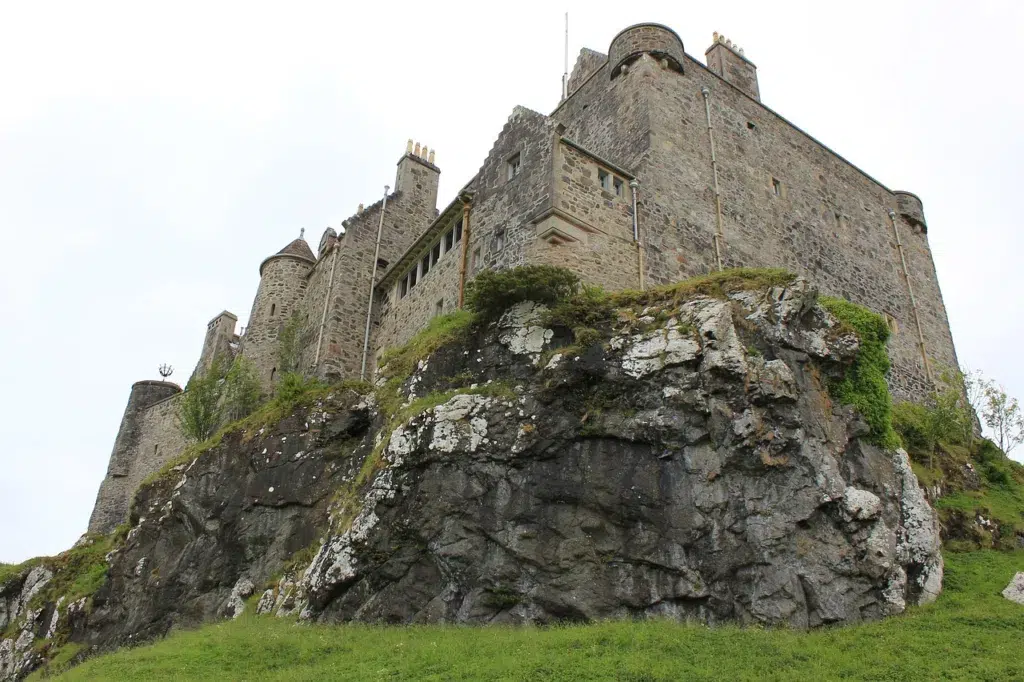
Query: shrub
point(914, 424)
point(199, 411)
point(288, 344)
point(864, 385)
point(492, 292)
point(242, 392)
point(293, 387)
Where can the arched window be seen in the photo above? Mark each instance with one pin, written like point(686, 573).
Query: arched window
point(273, 371)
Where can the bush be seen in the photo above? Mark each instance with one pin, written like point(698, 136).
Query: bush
point(913, 423)
point(242, 392)
point(492, 292)
point(292, 387)
point(288, 344)
point(864, 385)
point(199, 411)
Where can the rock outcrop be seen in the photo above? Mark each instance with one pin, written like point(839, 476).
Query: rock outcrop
point(690, 464)
point(1015, 590)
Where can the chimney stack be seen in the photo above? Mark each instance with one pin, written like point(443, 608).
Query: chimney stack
point(728, 61)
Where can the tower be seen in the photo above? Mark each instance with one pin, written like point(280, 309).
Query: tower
point(282, 287)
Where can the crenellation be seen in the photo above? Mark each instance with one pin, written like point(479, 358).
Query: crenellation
point(619, 184)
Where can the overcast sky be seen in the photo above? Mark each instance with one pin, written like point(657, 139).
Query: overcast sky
point(151, 158)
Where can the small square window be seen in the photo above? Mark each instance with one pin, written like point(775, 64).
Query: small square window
point(617, 184)
point(777, 187)
point(513, 166)
point(605, 178)
point(449, 241)
point(458, 232)
point(439, 307)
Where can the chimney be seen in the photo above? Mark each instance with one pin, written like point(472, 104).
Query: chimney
point(727, 61)
point(417, 174)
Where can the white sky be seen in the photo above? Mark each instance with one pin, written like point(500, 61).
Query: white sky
point(150, 158)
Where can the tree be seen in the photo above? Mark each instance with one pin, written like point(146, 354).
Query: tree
point(242, 392)
point(288, 345)
point(956, 404)
point(200, 411)
point(1002, 415)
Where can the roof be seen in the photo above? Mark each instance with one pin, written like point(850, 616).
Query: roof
point(299, 247)
point(296, 249)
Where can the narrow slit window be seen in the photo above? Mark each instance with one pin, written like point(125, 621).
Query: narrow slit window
point(777, 187)
point(273, 307)
point(458, 232)
point(513, 166)
point(499, 241)
point(273, 371)
point(439, 307)
point(475, 263)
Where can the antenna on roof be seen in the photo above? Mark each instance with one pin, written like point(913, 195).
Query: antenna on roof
point(565, 73)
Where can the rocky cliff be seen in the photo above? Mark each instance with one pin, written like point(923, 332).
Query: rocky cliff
point(681, 458)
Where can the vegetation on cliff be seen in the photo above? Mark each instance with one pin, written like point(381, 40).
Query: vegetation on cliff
point(970, 633)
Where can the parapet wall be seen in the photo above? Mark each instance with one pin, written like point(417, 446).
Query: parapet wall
point(149, 437)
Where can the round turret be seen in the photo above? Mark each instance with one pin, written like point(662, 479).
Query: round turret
point(282, 287)
point(910, 207)
point(659, 41)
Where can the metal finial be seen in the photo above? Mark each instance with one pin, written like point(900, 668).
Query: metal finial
point(165, 370)
point(302, 233)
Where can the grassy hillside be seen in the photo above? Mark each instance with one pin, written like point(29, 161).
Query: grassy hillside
point(971, 633)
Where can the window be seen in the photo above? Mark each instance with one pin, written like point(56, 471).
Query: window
point(273, 371)
point(449, 241)
point(777, 187)
point(382, 264)
point(605, 178)
point(499, 241)
point(475, 263)
point(273, 307)
point(439, 307)
point(156, 449)
point(514, 166)
point(617, 184)
point(425, 265)
point(403, 287)
point(412, 278)
point(435, 253)
point(751, 125)
point(458, 232)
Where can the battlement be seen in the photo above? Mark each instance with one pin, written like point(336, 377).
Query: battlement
point(659, 41)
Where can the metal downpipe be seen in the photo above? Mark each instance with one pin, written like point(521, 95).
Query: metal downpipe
point(373, 283)
point(714, 169)
point(913, 299)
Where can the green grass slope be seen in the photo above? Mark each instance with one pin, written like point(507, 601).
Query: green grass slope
point(970, 633)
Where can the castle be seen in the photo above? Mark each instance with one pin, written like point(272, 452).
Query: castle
point(654, 167)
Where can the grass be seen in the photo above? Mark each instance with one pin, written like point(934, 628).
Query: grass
point(864, 384)
point(8, 571)
point(971, 633)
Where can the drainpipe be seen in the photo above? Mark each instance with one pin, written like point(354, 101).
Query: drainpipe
point(373, 283)
point(323, 318)
point(466, 203)
point(634, 185)
point(714, 170)
point(913, 300)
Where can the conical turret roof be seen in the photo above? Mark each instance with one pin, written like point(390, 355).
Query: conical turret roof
point(295, 249)
point(298, 247)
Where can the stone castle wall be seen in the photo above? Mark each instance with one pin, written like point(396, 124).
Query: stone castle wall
point(149, 436)
point(281, 292)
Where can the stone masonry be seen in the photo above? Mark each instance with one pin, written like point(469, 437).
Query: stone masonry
point(636, 129)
